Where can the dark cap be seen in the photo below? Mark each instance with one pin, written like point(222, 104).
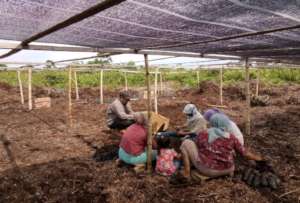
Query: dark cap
point(124, 94)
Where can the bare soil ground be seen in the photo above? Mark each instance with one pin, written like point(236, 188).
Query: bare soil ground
point(56, 165)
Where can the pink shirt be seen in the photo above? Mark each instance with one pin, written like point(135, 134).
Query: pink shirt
point(134, 140)
point(164, 163)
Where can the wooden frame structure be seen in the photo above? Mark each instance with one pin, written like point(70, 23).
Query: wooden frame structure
point(74, 69)
point(103, 5)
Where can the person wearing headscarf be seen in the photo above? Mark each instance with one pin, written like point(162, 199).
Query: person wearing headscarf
point(134, 142)
point(195, 123)
point(212, 153)
point(233, 128)
point(120, 113)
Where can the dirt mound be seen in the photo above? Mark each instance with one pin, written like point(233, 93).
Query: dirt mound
point(5, 86)
point(83, 180)
point(207, 87)
point(44, 148)
point(106, 153)
point(295, 100)
point(261, 100)
point(72, 180)
point(234, 92)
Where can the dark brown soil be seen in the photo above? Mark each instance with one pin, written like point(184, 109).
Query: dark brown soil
point(57, 165)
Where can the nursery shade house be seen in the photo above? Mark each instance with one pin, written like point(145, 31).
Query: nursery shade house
point(240, 28)
point(257, 30)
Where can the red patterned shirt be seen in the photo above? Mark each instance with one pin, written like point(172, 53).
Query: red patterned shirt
point(164, 164)
point(219, 154)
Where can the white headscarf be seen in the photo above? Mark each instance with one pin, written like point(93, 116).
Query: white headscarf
point(192, 113)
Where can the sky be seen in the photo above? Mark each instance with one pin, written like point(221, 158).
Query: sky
point(43, 56)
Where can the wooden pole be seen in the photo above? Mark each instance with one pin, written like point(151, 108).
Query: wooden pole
point(161, 83)
point(198, 79)
point(76, 85)
point(248, 107)
point(221, 86)
point(70, 99)
point(29, 88)
point(21, 87)
point(126, 83)
point(101, 87)
point(149, 127)
point(155, 91)
point(257, 82)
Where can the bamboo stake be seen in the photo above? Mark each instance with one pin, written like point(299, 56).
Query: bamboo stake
point(70, 99)
point(76, 85)
point(126, 84)
point(29, 88)
point(161, 82)
point(248, 108)
point(101, 87)
point(221, 86)
point(198, 79)
point(257, 82)
point(155, 91)
point(149, 130)
point(21, 87)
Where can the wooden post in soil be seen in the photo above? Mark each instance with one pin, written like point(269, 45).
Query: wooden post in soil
point(257, 82)
point(221, 86)
point(198, 79)
point(149, 127)
point(248, 107)
point(101, 87)
point(161, 83)
point(20, 86)
point(126, 83)
point(155, 91)
point(76, 85)
point(70, 99)
point(29, 88)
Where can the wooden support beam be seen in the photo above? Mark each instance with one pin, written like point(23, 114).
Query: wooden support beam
point(101, 87)
point(149, 127)
point(198, 79)
point(76, 85)
point(70, 100)
point(155, 91)
point(248, 94)
point(221, 86)
point(29, 88)
point(257, 82)
point(161, 82)
point(126, 82)
point(21, 87)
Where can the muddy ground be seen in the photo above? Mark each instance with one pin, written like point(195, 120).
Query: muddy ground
point(54, 164)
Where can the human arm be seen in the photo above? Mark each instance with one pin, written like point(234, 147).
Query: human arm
point(154, 143)
point(251, 156)
point(119, 110)
point(246, 152)
point(129, 109)
point(194, 127)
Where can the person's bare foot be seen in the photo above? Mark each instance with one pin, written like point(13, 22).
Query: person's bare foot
point(139, 168)
point(185, 174)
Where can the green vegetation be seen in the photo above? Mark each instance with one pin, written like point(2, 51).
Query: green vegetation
point(115, 79)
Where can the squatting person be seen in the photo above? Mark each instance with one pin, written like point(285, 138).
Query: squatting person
point(120, 113)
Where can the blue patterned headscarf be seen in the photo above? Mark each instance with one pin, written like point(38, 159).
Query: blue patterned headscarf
point(210, 112)
point(219, 127)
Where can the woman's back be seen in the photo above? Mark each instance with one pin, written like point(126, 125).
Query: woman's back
point(219, 153)
point(134, 139)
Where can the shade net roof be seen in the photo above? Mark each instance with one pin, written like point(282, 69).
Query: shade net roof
point(161, 24)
